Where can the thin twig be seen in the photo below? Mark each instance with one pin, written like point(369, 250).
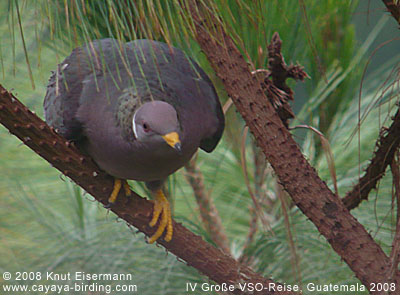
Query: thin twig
point(208, 212)
point(253, 226)
point(260, 174)
point(256, 201)
point(255, 211)
point(293, 252)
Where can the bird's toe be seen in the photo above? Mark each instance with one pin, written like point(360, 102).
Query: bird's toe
point(161, 213)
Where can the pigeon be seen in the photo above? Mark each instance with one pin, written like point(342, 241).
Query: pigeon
point(140, 109)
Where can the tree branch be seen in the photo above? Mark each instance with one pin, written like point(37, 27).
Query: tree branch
point(135, 210)
point(345, 234)
point(387, 144)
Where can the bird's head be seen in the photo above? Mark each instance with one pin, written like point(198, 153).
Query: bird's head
point(157, 121)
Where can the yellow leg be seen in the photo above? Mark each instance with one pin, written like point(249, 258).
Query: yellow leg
point(127, 189)
point(117, 187)
point(161, 207)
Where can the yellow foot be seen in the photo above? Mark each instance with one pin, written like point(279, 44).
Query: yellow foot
point(117, 188)
point(161, 207)
point(127, 189)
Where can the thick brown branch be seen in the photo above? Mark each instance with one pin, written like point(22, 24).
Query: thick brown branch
point(387, 144)
point(346, 236)
point(394, 9)
point(63, 155)
point(208, 212)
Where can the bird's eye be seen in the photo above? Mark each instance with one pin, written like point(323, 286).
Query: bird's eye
point(146, 127)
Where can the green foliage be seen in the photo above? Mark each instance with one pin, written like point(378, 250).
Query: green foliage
point(48, 224)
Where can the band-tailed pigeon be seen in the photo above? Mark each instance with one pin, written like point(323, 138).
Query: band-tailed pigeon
point(139, 109)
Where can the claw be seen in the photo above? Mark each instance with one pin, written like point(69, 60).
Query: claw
point(161, 208)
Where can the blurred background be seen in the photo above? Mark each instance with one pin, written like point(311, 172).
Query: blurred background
point(349, 49)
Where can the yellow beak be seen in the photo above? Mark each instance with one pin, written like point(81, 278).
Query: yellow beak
point(173, 140)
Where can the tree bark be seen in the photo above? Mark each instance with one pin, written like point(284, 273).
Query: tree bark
point(345, 234)
point(387, 145)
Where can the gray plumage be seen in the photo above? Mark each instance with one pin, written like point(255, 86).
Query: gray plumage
point(94, 94)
